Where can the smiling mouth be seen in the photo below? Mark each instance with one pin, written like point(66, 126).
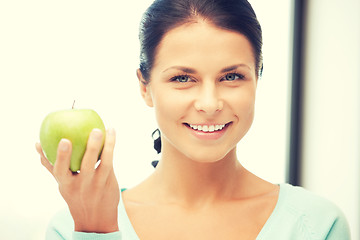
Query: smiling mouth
point(207, 128)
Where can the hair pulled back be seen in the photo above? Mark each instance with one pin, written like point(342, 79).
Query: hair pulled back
point(164, 15)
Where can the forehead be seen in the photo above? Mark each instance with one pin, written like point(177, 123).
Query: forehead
point(197, 43)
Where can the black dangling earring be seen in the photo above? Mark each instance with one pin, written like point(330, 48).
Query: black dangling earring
point(157, 145)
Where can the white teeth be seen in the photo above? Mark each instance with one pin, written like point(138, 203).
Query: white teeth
point(207, 128)
point(211, 128)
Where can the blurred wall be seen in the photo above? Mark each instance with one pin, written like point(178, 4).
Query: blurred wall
point(332, 104)
point(52, 52)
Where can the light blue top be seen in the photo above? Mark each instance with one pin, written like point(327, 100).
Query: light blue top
point(298, 215)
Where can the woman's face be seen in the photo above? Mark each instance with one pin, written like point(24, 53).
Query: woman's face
point(202, 87)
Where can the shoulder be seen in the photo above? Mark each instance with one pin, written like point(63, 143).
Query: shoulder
point(303, 202)
point(311, 216)
point(300, 201)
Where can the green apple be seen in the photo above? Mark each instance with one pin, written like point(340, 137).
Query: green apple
point(74, 125)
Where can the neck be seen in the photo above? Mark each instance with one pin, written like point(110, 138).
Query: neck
point(192, 183)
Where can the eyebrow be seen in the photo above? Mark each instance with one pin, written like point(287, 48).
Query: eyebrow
point(234, 67)
point(184, 69)
point(192, 71)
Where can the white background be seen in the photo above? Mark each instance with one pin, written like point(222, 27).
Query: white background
point(54, 52)
point(331, 156)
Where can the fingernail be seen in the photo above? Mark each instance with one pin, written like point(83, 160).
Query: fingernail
point(63, 145)
point(37, 147)
point(111, 131)
point(97, 134)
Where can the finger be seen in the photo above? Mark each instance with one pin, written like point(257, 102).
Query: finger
point(92, 151)
point(44, 160)
point(63, 157)
point(39, 150)
point(107, 154)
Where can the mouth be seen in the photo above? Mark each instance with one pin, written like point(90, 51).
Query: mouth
point(208, 128)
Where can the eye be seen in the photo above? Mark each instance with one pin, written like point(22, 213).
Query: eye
point(181, 79)
point(232, 77)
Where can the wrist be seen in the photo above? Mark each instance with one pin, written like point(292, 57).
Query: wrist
point(97, 227)
point(90, 229)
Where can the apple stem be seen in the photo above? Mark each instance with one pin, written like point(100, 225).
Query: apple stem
point(73, 105)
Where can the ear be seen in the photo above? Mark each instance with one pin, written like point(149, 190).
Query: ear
point(144, 89)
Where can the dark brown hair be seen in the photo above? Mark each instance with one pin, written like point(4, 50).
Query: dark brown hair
point(164, 15)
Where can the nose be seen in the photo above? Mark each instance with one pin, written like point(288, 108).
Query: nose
point(208, 100)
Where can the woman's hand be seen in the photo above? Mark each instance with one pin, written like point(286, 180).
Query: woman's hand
point(93, 194)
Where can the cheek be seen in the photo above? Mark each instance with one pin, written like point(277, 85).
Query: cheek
point(243, 108)
point(242, 105)
point(169, 107)
point(242, 101)
point(247, 107)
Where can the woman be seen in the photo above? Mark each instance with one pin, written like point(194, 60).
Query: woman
point(200, 64)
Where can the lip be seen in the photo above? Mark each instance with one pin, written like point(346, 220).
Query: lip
point(208, 135)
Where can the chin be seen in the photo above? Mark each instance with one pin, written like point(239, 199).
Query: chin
point(210, 156)
point(199, 151)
